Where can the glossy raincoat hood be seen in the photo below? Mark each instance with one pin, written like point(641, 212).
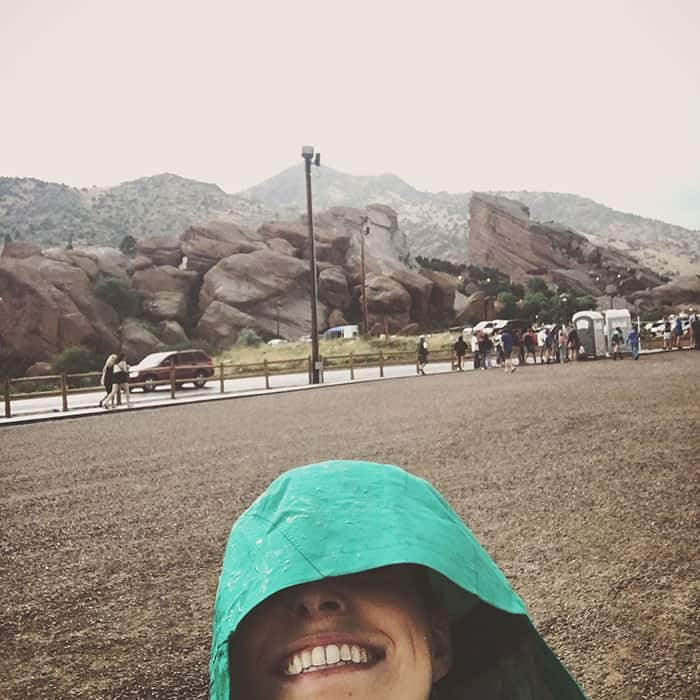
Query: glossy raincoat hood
point(343, 517)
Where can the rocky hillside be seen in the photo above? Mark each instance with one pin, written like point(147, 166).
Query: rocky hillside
point(437, 225)
point(48, 213)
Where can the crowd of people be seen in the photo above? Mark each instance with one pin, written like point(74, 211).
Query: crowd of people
point(548, 345)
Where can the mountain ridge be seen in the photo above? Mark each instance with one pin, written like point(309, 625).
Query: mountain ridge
point(436, 224)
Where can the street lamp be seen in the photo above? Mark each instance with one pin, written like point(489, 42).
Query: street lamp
point(486, 300)
point(564, 299)
point(364, 231)
point(278, 318)
point(307, 153)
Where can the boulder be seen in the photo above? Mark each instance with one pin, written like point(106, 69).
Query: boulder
point(333, 288)
point(20, 249)
point(137, 341)
point(161, 250)
point(141, 262)
point(279, 245)
point(388, 302)
point(418, 286)
point(220, 324)
point(442, 294)
point(39, 369)
point(93, 260)
point(166, 306)
point(336, 318)
point(267, 286)
point(478, 307)
point(204, 246)
point(164, 278)
point(172, 333)
point(296, 234)
point(47, 306)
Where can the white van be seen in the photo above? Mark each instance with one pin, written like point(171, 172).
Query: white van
point(489, 327)
point(342, 332)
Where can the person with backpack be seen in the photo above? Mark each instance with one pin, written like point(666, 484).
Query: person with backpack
point(617, 341)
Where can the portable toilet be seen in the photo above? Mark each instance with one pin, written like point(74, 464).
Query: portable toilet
point(617, 318)
point(590, 327)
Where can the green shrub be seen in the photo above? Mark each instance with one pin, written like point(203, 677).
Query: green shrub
point(75, 360)
point(120, 296)
point(249, 336)
point(13, 363)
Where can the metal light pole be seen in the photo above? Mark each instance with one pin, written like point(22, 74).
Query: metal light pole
point(278, 318)
point(307, 153)
point(364, 231)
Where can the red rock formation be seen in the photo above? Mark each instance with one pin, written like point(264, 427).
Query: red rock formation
point(502, 236)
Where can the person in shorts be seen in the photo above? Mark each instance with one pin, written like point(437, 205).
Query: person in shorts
point(667, 335)
point(357, 580)
point(507, 345)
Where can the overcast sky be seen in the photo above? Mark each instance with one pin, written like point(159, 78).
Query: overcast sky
point(596, 97)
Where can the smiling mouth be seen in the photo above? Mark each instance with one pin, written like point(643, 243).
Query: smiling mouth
point(329, 656)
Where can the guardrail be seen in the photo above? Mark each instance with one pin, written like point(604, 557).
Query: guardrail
point(67, 385)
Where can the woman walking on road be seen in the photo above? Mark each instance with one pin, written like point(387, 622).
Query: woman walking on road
point(107, 379)
point(422, 351)
point(120, 381)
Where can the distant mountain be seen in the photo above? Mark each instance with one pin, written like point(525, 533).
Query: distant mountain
point(436, 224)
point(50, 213)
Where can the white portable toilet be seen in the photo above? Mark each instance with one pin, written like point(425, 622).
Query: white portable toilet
point(617, 318)
point(590, 327)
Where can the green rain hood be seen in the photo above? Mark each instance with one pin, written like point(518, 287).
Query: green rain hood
point(343, 517)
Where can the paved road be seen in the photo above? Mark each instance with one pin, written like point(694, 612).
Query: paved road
point(244, 385)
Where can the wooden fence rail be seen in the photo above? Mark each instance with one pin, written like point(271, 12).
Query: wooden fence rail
point(66, 385)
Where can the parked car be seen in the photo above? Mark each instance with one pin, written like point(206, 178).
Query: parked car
point(190, 366)
point(489, 327)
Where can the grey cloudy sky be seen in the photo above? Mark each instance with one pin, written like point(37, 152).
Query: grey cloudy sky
point(596, 97)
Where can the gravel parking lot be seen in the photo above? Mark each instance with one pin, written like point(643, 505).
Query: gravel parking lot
point(581, 480)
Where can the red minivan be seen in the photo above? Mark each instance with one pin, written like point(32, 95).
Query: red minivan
point(190, 366)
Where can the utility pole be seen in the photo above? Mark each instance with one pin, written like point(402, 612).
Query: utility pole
point(307, 153)
point(364, 231)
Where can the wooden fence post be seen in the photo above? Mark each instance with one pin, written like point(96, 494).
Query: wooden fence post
point(6, 389)
point(381, 363)
point(267, 374)
point(64, 394)
point(172, 380)
point(221, 377)
point(352, 367)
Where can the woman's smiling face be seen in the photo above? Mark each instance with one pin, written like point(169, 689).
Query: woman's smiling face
point(365, 636)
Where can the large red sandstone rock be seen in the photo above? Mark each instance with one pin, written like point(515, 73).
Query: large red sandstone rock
point(204, 246)
point(47, 306)
point(333, 288)
point(161, 250)
point(137, 341)
point(387, 302)
point(221, 324)
point(502, 236)
point(679, 291)
point(93, 260)
point(20, 249)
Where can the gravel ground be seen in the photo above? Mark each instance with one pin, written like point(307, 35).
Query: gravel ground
point(580, 480)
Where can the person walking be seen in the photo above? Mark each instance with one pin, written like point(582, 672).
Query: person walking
point(518, 344)
point(460, 348)
point(422, 353)
point(667, 334)
point(120, 381)
point(695, 329)
point(529, 344)
point(507, 345)
point(475, 350)
point(633, 342)
point(498, 344)
point(561, 343)
point(617, 341)
point(485, 347)
point(677, 332)
point(107, 379)
point(573, 343)
point(541, 342)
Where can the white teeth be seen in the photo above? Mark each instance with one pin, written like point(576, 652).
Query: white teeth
point(318, 656)
point(332, 654)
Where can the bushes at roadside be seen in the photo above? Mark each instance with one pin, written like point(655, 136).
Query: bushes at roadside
point(248, 337)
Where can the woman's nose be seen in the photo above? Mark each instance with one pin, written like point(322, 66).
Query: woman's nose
point(318, 599)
